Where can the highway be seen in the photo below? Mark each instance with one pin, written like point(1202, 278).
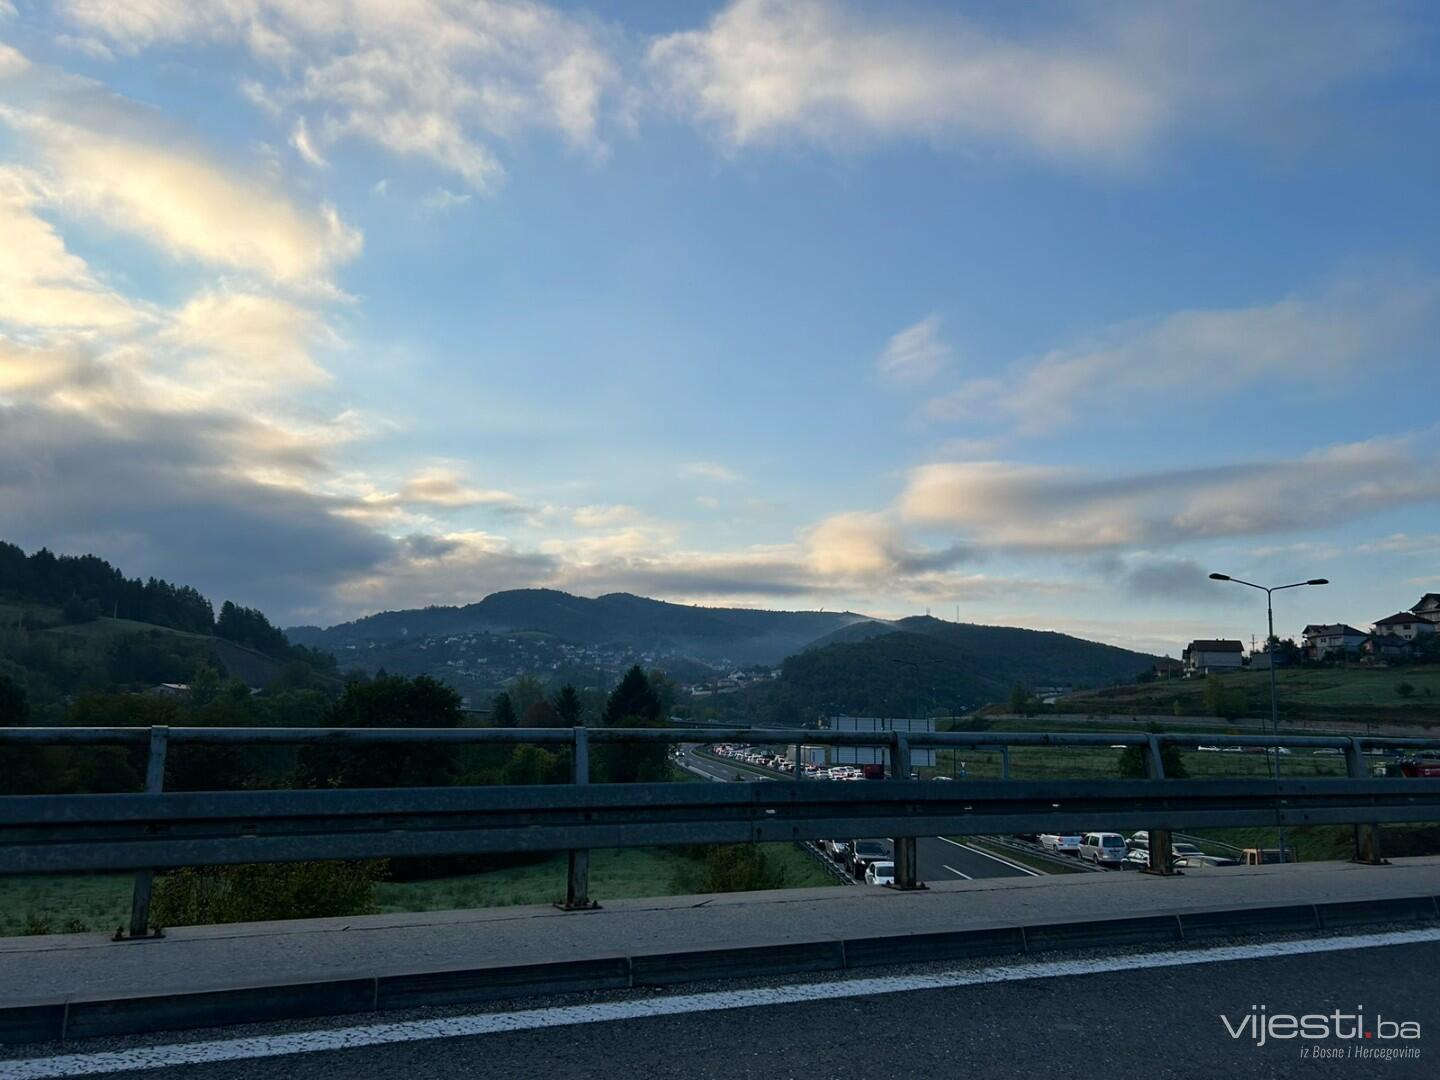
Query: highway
point(937, 858)
point(1150, 1014)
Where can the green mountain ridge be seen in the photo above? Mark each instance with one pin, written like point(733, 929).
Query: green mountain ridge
point(737, 635)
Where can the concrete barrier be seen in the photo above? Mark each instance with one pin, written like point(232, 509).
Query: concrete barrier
point(77, 1018)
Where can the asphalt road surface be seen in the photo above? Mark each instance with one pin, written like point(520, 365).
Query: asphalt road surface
point(938, 859)
point(1138, 1020)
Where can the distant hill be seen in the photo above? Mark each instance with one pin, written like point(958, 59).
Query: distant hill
point(918, 665)
point(740, 635)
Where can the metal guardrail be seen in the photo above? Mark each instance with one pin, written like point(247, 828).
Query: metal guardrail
point(157, 830)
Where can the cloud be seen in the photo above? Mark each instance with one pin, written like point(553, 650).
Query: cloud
point(42, 284)
point(432, 79)
point(1305, 340)
point(234, 339)
point(442, 199)
point(447, 489)
point(711, 470)
point(1042, 508)
point(164, 494)
point(1403, 544)
point(763, 70)
point(871, 547)
point(1169, 578)
point(1096, 85)
point(97, 156)
point(305, 146)
point(915, 354)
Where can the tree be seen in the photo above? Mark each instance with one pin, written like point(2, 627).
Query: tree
point(14, 703)
point(634, 699)
point(524, 691)
point(388, 701)
point(632, 704)
point(1405, 689)
point(1132, 761)
point(1223, 700)
point(502, 711)
point(1020, 699)
point(567, 703)
point(542, 714)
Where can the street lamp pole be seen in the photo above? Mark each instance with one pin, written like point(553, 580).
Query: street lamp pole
point(1269, 591)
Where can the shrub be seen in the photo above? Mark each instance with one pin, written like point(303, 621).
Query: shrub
point(729, 868)
point(197, 896)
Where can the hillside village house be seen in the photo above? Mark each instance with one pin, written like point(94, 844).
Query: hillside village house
point(1205, 655)
point(1331, 637)
point(1429, 607)
point(1405, 624)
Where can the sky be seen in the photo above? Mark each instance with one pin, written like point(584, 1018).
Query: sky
point(1030, 315)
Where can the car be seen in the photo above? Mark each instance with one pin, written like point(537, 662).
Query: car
point(942, 778)
point(836, 849)
point(1207, 860)
point(1140, 839)
point(880, 873)
point(1208, 749)
point(864, 852)
point(1061, 843)
point(1102, 847)
point(1184, 851)
point(1137, 858)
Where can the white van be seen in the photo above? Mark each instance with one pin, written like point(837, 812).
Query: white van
point(1103, 847)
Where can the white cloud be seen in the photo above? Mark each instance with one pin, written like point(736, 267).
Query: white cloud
point(305, 146)
point(229, 339)
point(1100, 84)
point(1059, 509)
point(915, 354)
point(119, 167)
point(447, 488)
point(711, 470)
point(42, 284)
point(434, 79)
point(1305, 340)
point(442, 199)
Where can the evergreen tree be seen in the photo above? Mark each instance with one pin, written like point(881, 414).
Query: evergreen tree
point(634, 704)
point(568, 705)
point(502, 711)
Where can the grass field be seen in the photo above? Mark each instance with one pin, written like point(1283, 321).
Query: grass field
point(71, 904)
point(1082, 763)
point(1301, 691)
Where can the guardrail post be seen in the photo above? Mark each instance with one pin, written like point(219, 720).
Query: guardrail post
point(906, 870)
point(145, 879)
point(1162, 860)
point(577, 878)
point(799, 760)
point(1367, 836)
point(1004, 763)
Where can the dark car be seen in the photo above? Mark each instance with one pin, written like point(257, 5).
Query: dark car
point(864, 852)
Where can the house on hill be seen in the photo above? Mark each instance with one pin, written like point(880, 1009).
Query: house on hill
point(1205, 655)
point(1321, 639)
point(1405, 624)
point(1429, 607)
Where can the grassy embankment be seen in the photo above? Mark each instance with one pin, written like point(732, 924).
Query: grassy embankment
point(1348, 697)
point(60, 904)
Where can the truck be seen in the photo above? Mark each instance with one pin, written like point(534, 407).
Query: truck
point(873, 772)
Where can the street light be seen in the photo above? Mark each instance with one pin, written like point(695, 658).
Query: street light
point(1269, 590)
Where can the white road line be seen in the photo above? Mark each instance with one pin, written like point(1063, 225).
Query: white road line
point(997, 858)
point(957, 873)
point(172, 1056)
